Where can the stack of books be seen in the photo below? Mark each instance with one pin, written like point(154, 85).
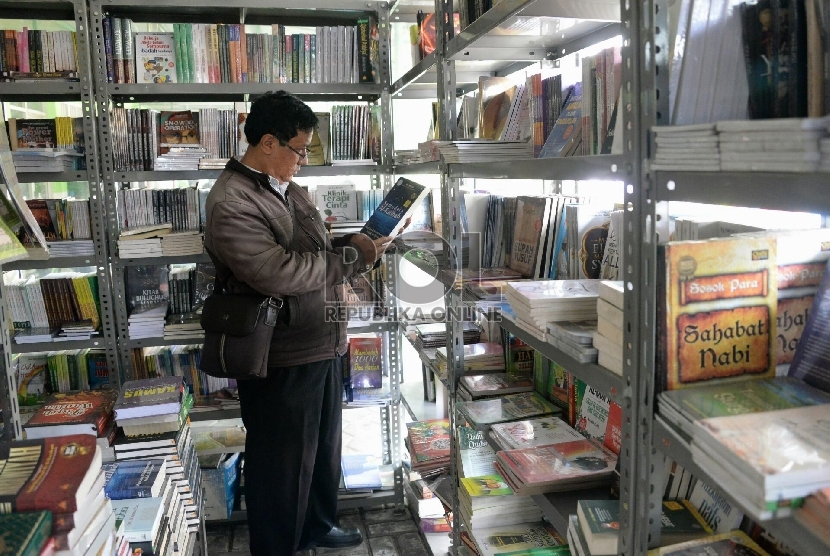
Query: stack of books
point(481, 150)
point(681, 408)
point(162, 404)
point(61, 475)
point(34, 335)
point(83, 330)
point(487, 501)
point(44, 160)
point(574, 338)
point(473, 387)
point(475, 456)
point(609, 335)
point(425, 504)
point(433, 335)
point(557, 467)
point(71, 248)
point(184, 326)
point(148, 504)
point(782, 144)
point(182, 243)
point(692, 147)
point(536, 303)
point(213, 163)
point(85, 412)
point(180, 158)
point(428, 443)
point(147, 324)
point(608, 338)
point(541, 431)
point(595, 529)
point(771, 460)
point(485, 412)
point(479, 358)
point(139, 248)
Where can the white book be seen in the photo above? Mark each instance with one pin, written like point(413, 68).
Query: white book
point(606, 311)
point(155, 58)
point(612, 291)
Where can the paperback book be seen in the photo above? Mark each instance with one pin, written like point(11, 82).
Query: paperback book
point(399, 204)
point(485, 412)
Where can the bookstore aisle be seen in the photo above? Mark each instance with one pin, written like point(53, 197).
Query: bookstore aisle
point(386, 532)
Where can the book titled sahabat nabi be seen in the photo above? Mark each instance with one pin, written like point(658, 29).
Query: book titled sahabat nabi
point(720, 310)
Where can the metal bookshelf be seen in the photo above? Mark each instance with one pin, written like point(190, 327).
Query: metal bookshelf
point(81, 91)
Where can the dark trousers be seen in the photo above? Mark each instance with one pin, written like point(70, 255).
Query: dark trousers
point(292, 455)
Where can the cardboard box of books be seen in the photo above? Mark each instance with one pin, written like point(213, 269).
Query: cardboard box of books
point(220, 485)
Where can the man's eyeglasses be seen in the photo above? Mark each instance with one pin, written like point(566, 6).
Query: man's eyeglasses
point(302, 154)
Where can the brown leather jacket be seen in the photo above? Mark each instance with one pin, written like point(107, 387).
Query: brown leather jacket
point(262, 243)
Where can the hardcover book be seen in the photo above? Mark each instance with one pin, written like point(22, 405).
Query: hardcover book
point(155, 58)
point(398, 205)
point(719, 311)
point(53, 474)
point(85, 412)
point(152, 396)
point(366, 362)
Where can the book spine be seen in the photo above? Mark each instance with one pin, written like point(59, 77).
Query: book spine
point(295, 58)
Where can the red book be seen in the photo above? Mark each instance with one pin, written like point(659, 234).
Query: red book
point(429, 440)
point(54, 474)
point(87, 412)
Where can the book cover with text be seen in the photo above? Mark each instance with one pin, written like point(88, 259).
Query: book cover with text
point(720, 311)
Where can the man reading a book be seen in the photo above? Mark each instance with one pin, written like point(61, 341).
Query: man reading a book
point(265, 235)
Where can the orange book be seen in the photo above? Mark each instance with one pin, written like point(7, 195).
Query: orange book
point(243, 51)
point(719, 311)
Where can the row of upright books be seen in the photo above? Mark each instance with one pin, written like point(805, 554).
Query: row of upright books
point(226, 53)
point(32, 54)
point(41, 374)
point(182, 360)
point(47, 145)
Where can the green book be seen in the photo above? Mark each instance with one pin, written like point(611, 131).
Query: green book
point(25, 533)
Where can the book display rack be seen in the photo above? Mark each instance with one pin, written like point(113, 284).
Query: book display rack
point(449, 72)
point(82, 91)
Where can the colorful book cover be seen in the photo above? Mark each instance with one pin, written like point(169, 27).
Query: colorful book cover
point(135, 479)
point(89, 407)
point(720, 311)
point(495, 98)
point(557, 385)
point(40, 210)
point(591, 225)
point(519, 359)
point(429, 440)
point(565, 131)
point(31, 378)
point(535, 432)
point(155, 58)
point(491, 484)
point(337, 202)
point(366, 362)
point(398, 205)
point(150, 391)
point(33, 134)
point(564, 462)
point(177, 129)
point(48, 473)
point(613, 429)
point(513, 538)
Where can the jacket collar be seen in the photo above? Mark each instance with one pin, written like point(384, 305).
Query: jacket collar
point(260, 178)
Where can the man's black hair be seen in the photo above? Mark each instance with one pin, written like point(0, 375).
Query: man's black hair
point(280, 114)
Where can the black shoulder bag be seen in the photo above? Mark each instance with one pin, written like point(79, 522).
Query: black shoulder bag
point(238, 330)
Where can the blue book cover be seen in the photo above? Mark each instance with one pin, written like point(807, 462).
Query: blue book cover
point(360, 471)
point(567, 125)
point(134, 479)
point(396, 207)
